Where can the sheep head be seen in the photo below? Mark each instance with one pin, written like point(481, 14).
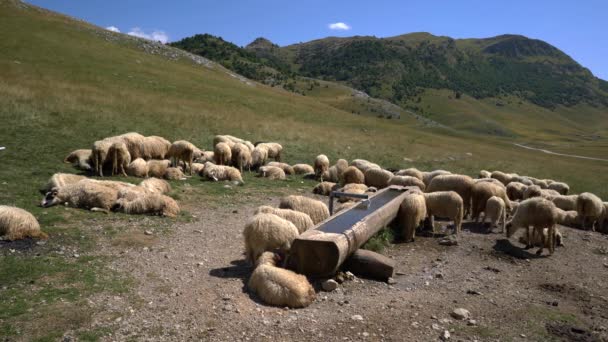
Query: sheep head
point(50, 199)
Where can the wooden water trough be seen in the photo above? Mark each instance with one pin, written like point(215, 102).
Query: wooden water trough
point(319, 252)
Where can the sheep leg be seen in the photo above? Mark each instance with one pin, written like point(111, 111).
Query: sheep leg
point(551, 239)
point(528, 239)
point(504, 220)
point(542, 242)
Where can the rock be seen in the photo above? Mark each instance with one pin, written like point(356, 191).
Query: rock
point(471, 322)
point(329, 285)
point(449, 241)
point(473, 292)
point(356, 317)
point(445, 335)
point(235, 211)
point(461, 314)
point(148, 232)
point(391, 281)
point(435, 326)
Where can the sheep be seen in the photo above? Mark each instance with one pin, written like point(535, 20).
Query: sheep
point(241, 156)
point(504, 178)
point(331, 175)
point(537, 191)
point(539, 182)
point(226, 139)
point(412, 172)
point(17, 224)
point(514, 206)
point(99, 154)
point(378, 178)
point(85, 194)
point(515, 191)
point(445, 204)
point(495, 210)
point(120, 157)
point(259, 156)
point(407, 181)
point(352, 175)
point(222, 173)
point(302, 169)
point(148, 203)
point(489, 180)
point(156, 185)
point(481, 193)
point(536, 239)
point(590, 206)
point(560, 187)
point(205, 156)
point(522, 179)
point(288, 169)
point(540, 214)
point(155, 147)
point(427, 177)
point(565, 202)
point(324, 188)
point(61, 179)
point(278, 286)
point(364, 165)
point(138, 168)
point(341, 165)
point(133, 141)
point(222, 154)
point(116, 185)
point(174, 173)
point(302, 221)
point(460, 183)
point(274, 150)
point(485, 174)
point(317, 210)
point(182, 150)
point(198, 168)
point(411, 212)
point(80, 158)
point(321, 165)
point(158, 168)
point(354, 188)
point(568, 218)
point(266, 232)
point(272, 172)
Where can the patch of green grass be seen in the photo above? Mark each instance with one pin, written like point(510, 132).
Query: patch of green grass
point(380, 240)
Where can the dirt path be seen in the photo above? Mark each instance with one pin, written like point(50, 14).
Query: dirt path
point(190, 284)
point(558, 154)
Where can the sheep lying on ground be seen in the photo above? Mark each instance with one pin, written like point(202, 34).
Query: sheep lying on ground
point(61, 179)
point(241, 156)
point(302, 221)
point(377, 178)
point(560, 187)
point(302, 169)
point(352, 175)
point(267, 232)
point(272, 172)
point(412, 172)
point(155, 147)
point(515, 191)
point(120, 157)
point(324, 188)
point(485, 174)
point(407, 181)
point(158, 168)
point(355, 188)
point(156, 185)
point(481, 193)
point(182, 150)
point(445, 204)
point(317, 210)
point(259, 156)
point(205, 156)
point(567, 202)
point(222, 154)
point(286, 167)
point(495, 210)
point(85, 194)
point(589, 206)
point(16, 224)
point(364, 165)
point(412, 211)
point(461, 184)
point(81, 159)
point(148, 203)
point(222, 173)
point(198, 167)
point(540, 214)
point(278, 286)
point(138, 168)
point(427, 177)
point(321, 165)
point(274, 150)
point(174, 173)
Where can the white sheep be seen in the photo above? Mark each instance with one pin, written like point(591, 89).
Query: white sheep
point(138, 168)
point(85, 194)
point(352, 175)
point(565, 202)
point(155, 147)
point(407, 181)
point(302, 221)
point(538, 213)
point(80, 158)
point(324, 188)
point(17, 224)
point(158, 168)
point(241, 156)
point(222, 173)
point(355, 188)
point(198, 168)
point(427, 177)
point(156, 185)
point(317, 210)
point(445, 204)
point(569, 218)
point(274, 150)
point(560, 187)
point(412, 211)
point(412, 172)
point(148, 203)
point(267, 232)
point(589, 206)
point(120, 157)
point(134, 142)
point(59, 179)
point(272, 172)
point(182, 150)
point(321, 165)
point(504, 178)
point(485, 174)
point(462, 184)
point(303, 169)
point(223, 153)
point(364, 165)
point(288, 169)
point(481, 193)
point(515, 191)
point(377, 178)
point(174, 173)
point(259, 156)
point(495, 210)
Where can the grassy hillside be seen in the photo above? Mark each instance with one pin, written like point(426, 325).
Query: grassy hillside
point(65, 83)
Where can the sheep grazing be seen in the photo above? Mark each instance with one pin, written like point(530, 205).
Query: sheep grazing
point(412, 172)
point(222, 154)
point(226, 139)
point(504, 178)
point(278, 286)
point(17, 224)
point(354, 188)
point(138, 168)
point(158, 168)
point(133, 141)
point(445, 204)
point(407, 181)
point(222, 173)
point(272, 172)
point(352, 175)
point(182, 150)
point(321, 165)
point(462, 184)
point(85, 194)
point(377, 178)
point(412, 211)
point(288, 169)
point(566, 203)
point(589, 206)
point(148, 203)
point(303, 169)
point(156, 185)
point(538, 213)
point(567, 218)
point(331, 175)
point(61, 179)
point(174, 173)
point(427, 177)
point(495, 210)
point(302, 221)
point(515, 191)
point(120, 157)
point(364, 165)
point(537, 191)
point(481, 193)
point(267, 232)
point(317, 210)
point(99, 154)
point(259, 156)
point(241, 156)
point(485, 174)
point(155, 147)
point(324, 188)
point(341, 165)
point(80, 158)
point(560, 187)
point(274, 150)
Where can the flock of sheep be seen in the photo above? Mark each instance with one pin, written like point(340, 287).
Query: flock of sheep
point(268, 235)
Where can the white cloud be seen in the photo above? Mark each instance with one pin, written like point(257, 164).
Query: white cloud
point(113, 29)
point(339, 26)
point(156, 35)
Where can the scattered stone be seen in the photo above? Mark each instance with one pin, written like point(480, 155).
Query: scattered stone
point(492, 269)
point(391, 281)
point(356, 317)
point(75, 255)
point(415, 324)
point(460, 314)
point(365, 334)
point(329, 285)
point(448, 241)
point(148, 232)
point(199, 264)
point(473, 292)
point(522, 335)
point(472, 322)
point(439, 275)
point(445, 335)
point(435, 326)
point(400, 273)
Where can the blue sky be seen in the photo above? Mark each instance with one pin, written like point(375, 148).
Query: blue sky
point(579, 28)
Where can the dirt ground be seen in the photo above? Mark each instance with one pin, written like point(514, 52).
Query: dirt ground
point(190, 284)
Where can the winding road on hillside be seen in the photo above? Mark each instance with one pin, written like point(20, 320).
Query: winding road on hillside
point(558, 154)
